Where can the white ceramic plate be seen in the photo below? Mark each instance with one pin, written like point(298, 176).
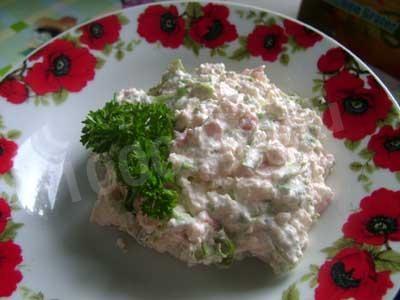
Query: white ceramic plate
point(45, 169)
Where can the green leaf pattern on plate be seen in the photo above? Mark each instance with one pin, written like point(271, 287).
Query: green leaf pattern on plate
point(291, 293)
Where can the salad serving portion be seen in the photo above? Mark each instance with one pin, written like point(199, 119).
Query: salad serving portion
point(211, 166)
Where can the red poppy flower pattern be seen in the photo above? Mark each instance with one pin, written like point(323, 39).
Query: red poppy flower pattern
point(351, 274)
point(378, 220)
point(266, 41)
point(63, 66)
point(8, 149)
point(386, 148)
point(5, 214)
point(101, 32)
point(13, 90)
point(10, 258)
point(10, 255)
point(372, 82)
point(213, 29)
point(332, 61)
point(9, 282)
point(353, 111)
point(303, 36)
point(162, 24)
point(66, 64)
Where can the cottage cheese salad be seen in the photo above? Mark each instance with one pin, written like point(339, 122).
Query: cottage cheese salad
point(243, 173)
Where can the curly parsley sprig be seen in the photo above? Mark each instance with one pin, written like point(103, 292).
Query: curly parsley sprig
point(137, 137)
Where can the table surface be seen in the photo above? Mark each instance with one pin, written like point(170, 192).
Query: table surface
point(18, 24)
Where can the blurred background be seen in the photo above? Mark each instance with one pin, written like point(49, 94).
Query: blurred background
point(370, 28)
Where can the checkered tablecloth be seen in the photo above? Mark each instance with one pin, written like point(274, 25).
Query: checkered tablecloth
point(24, 25)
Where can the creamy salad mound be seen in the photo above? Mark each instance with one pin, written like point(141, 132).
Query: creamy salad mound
point(249, 170)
